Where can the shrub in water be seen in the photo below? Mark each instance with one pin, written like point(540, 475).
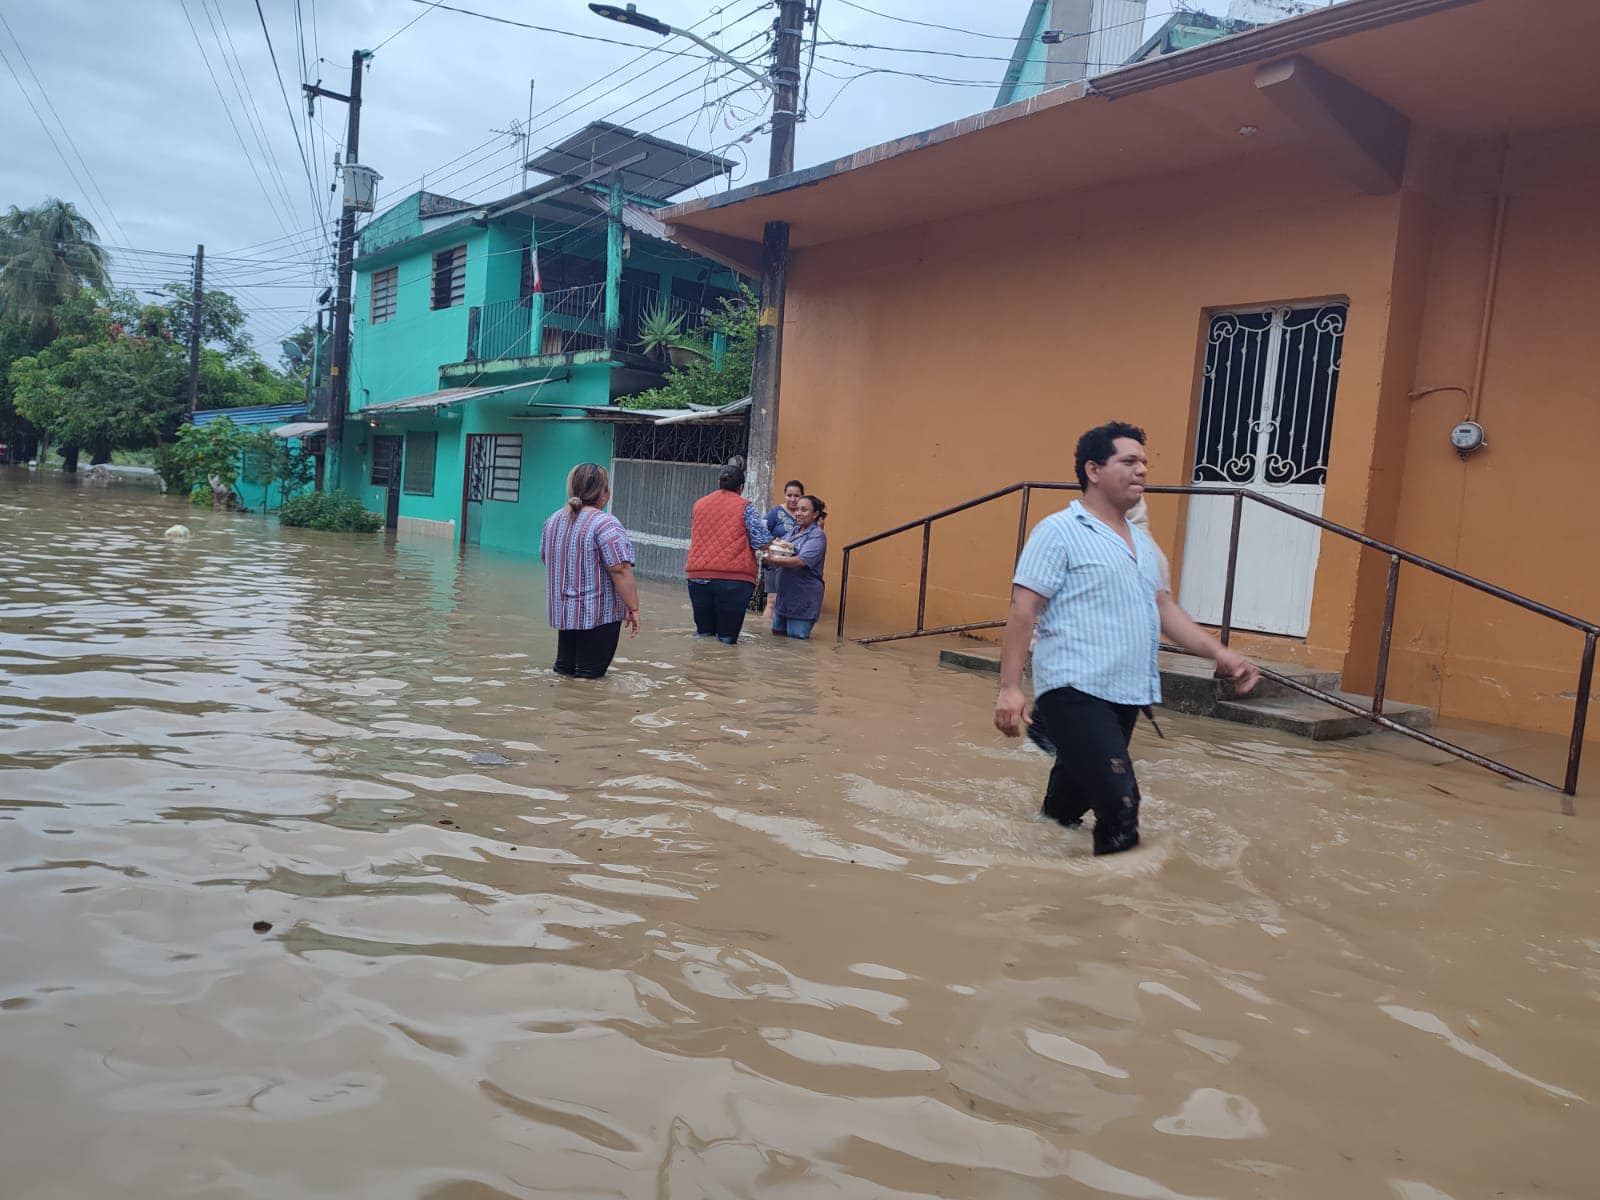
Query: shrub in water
point(332, 511)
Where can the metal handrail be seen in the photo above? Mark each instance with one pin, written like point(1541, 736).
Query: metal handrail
point(1396, 555)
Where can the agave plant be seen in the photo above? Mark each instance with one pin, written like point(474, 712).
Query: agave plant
point(660, 331)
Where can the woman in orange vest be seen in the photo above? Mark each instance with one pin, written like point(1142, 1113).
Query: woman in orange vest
point(724, 535)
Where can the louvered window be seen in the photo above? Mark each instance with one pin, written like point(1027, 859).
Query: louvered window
point(450, 277)
point(385, 284)
point(421, 449)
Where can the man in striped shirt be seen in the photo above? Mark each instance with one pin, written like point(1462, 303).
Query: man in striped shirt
point(1091, 580)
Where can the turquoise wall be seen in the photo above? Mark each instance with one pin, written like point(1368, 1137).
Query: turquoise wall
point(253, 495)
point(401, 356)
point(445, 503)
point(551, 446)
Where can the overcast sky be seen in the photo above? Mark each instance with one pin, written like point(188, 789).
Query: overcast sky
point(169, 120)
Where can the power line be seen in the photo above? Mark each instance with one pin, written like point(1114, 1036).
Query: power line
point(105, 204)
point(240, 79)
point(999, 37)
point(289, 111)
point(438, 179)
point(228, 112)
point(586, 37)
point(403, 28)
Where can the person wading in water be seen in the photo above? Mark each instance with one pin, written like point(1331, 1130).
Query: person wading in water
point(1092, 582)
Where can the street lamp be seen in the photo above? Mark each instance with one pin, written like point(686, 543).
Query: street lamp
point(632, 16)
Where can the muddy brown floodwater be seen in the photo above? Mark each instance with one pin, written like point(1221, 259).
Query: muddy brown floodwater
point(769, 921)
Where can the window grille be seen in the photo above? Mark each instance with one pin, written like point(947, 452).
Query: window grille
point(686, 442)
point(505, 468)
point(385, 459)
point(1266, 405)
point(421, 450)
point(450, 277)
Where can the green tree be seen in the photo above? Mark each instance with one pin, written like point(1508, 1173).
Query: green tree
point(221, 320)
point(48, 255)
point(101, 393)
point(199, 452)
point(17, 340)
point(708, 382)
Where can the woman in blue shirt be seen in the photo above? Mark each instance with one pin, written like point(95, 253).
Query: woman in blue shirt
point(799, 579)
point(781, 524)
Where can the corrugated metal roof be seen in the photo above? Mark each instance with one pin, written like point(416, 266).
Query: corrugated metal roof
point(300, 429)
point(262, 414)
point(443, 398)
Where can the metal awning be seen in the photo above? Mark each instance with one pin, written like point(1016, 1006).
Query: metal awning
point(695, 414)
point(443, 398)
point(300, 429)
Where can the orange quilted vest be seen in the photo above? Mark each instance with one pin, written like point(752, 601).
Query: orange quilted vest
point(719, 547)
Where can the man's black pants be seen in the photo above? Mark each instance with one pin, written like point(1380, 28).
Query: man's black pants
point(1092, 770)
point(586, 653)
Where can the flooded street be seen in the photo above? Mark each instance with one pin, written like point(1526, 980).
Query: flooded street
point(774, 920)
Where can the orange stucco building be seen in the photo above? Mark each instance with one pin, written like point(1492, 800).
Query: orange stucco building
point(1298, 257)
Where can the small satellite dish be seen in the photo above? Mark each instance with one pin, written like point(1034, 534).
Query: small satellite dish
point(292, 352)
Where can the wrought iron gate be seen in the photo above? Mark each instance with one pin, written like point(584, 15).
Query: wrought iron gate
point(1265, 421)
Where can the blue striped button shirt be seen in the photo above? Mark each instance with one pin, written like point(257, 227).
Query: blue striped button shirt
point(1100, 631)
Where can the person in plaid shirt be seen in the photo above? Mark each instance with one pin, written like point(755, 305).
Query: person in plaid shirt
point(588, 576)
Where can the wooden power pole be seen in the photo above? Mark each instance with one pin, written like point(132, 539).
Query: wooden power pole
point(339, 402)
point(196, 326)
point(763, 450)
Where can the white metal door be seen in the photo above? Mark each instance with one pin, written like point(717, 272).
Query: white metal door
point(1266, 413)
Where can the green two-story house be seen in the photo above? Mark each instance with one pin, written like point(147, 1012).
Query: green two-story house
point(491, 340)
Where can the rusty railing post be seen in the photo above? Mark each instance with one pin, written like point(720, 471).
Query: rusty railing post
point(1022, 526)
point(1580, 717)
point(922, 583)
point(844, 587)
point(1381, 682)
point(1226, 632)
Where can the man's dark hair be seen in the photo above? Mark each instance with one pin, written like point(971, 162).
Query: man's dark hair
point(1100, 443)
point(732, 478)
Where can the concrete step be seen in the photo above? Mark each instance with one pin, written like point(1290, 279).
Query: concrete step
point(1188, 685)
point(1309, 717)
point(984, 661)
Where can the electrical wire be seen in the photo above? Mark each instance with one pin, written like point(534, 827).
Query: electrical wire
point(586, 37)
point(405, 27)
point(105, 204)
point(289, 112)
point(247, 99)
point(228, 112)
point(437, 179)
point(999, 37)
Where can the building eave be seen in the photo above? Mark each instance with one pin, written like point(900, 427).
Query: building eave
point(1262, 44)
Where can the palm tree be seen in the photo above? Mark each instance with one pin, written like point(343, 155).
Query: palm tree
point(47, 255)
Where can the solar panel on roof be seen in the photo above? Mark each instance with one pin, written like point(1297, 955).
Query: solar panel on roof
point(667, 168)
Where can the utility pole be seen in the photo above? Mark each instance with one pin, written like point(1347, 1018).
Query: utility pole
point(196, 324)
point(763, 448)
point(339, 403)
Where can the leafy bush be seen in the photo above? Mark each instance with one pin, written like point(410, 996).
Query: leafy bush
point(706, 382)
point(331, 511)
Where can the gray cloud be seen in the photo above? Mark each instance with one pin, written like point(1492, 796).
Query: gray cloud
point(132, 89)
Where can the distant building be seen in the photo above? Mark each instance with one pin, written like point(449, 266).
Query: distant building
point(1064, 41)
point(492, 341)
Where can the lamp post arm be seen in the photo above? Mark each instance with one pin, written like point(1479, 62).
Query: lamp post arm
point(715, 51)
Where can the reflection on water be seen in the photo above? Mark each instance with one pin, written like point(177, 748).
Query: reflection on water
point(775, 920)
